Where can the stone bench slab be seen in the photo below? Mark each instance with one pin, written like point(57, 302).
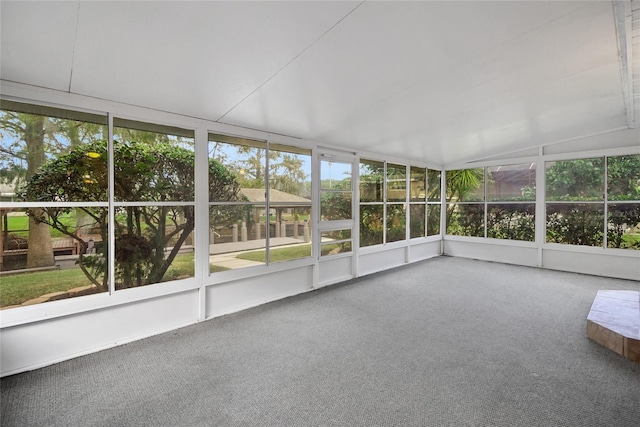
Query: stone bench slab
point(614, 322)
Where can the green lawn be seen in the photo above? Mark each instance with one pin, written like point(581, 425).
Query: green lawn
point(280, 254)
point(18, 225)
point(18, 288)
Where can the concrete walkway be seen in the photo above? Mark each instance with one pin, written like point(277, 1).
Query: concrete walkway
point(251, 245)
point(225, 254)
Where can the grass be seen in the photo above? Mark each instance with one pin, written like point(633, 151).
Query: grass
point(18, 288)
point(277, 255)
point(18, 225)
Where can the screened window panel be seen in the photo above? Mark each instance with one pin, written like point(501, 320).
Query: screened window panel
point(575, 180)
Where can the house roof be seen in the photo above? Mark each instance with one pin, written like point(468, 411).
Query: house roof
point(256, 195)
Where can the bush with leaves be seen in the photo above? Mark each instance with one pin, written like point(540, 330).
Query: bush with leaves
point(147, 238)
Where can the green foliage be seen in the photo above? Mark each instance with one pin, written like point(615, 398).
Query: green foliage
point(150, 172)
point(462, 183)
point(576, 224)
point(466, 220)
point(623, 177)
point(371, 225)
point(433, 219)
point(509, 221)
point(621, 219)
point(581, 179)
point(396, 222)
point(336, 205)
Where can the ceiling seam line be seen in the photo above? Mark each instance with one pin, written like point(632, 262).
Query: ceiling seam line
point(291, 61)
point(75, 44)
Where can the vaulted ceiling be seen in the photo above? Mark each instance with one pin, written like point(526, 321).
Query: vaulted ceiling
point(445, 82)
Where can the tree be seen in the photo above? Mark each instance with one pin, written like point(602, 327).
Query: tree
point(147, 238)
point(27, 141)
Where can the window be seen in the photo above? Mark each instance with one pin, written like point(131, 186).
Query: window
point(335, 191)
point(465, 202)
point(396, 198)
point(252, 223)
point(500, 205)
point(434, 206)
point(53, 167)
point(372, 218)
point(154, 203)
point(383, 202)
point(417, 202)
point(575, 201)
point(623, 202)
point(511, 197)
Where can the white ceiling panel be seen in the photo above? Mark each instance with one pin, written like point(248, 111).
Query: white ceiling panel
point(196, 58)
point(37, 42)
point(470, 88)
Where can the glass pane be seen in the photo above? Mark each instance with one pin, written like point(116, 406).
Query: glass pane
point(371, 181)
point(288, 221)
point(513, 182)
point(237, 236)
point(417, 215)
point(151, 165)
point(52, 156)
point(153, 244)
point(290, 233)
point(236, 165)
point(624, 226)
point(328, 236)
point(465, 219)
point(418, 184)
point(335, 175)
point(371, 225)
point(396, 222)
point(396, 183)
point(289, 174)
point(512, 221)
point(575, 223)
point(623, 177)
point(55, 253)
point(581, 179)
point(465, 185)
point(433, 220)
point(335, 206)
point(434, 184)
point(328, 249)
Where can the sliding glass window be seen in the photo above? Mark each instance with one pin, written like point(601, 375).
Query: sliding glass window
point(252, 223)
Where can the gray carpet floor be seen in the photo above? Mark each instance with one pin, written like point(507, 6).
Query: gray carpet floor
point(445, 342)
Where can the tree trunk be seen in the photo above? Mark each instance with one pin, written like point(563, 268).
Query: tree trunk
point(40, 252)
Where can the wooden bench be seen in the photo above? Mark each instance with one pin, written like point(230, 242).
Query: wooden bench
point(614, 322)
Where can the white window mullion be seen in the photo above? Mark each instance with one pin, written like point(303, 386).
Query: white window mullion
point(111, 214)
